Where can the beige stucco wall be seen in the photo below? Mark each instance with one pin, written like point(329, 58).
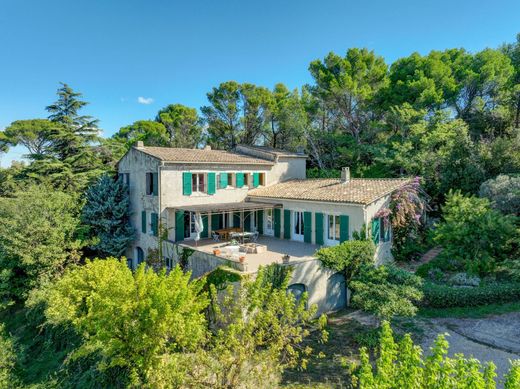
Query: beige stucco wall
point(287, 168)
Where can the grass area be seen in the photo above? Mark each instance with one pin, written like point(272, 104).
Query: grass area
point(470, 312)
point(331, 368)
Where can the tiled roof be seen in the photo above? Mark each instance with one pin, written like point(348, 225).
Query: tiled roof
point(170, 154)
point(357, 190)
point(273, 151)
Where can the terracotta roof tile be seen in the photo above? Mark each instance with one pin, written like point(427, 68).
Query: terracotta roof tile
point(169, 154)
point(358, 190)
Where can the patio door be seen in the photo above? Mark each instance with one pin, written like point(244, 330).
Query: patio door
point(269, 222)
point(189, 225)
point(299, 227)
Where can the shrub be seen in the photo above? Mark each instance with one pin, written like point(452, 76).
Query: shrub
point(441, 263)
point(464, 279)
point(504, 193)
point(402, 365)
point(445, 296)
point(475, 234)
point(347, 257)
point(386, 291)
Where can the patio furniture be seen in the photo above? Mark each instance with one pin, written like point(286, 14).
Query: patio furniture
point(253, 248)
point(255, 236)
point(216, 237)
point(225, 232)
point(242, 235)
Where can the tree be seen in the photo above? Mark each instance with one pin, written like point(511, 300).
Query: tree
point(150, 132)
point(182, 124)
point(504, 193)
point(129, 319)
point(386, 291)
point(402, 365)
point(474, 234)
point(512, 50)
point(237, 114)
point(348, 85)
point(107, 214)
point(37, 135)
point(7, 359)
point(38, 238)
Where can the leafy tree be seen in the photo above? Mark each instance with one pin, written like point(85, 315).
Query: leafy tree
point(148, 131)
point(38, 238)
point(402, 365)
point(347, 257)
point(348, 85)
point(237, 114)
point(129, 319)
point(7, 359)
point(386, 291)
point(37, 135)
point(182, 124)
point(512, 50)
point(474, 234)
point(107, 214)
point(504, 193)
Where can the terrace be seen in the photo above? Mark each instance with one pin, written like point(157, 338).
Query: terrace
point(273, 249)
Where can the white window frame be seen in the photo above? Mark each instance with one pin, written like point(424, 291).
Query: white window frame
point(269, 213)
point(300, 235)
point(196, 176)
point(336, 228)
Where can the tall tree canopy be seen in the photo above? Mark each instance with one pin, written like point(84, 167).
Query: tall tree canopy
point(182, 124)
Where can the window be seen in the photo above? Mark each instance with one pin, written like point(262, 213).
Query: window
point(198, 183)
point(151, 184)
point(246, 179)
point(384, 230)
point(230, 179)
point(333, 227)
point(261, 179)
point(125, 178)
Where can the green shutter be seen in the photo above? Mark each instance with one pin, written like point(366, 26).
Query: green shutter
point(143, 222)
point(215, 221)
point(155, 183)
point(260, 221)
point(155, 224)
point(307, 227)
point(236, 219)
point(318, 217)
point(247, 221)
point(375, 230)
point(286, 224)
point(256, 179)
point(205, 232)
point(186, 183)
point(277, 223)
point(387, 231)
point(211, 183)
point(223, 180)
point(240, 180)
point(343, 228)
point(179, 226)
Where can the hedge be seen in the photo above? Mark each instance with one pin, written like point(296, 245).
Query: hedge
point(445, 296)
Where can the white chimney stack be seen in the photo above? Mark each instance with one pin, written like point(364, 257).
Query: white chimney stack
point(345, 174)
point(207, 147)
point(139, 144)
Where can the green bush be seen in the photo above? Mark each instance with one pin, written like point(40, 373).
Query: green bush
point(386, 291)
point(347, 257)
point(442, 262)
point(445, 296)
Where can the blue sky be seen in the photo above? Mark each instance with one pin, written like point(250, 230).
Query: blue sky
point(116, 52)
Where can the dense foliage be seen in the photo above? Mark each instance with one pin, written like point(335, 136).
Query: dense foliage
point(402, 365)
point(347, 257)
point(39, 237)
point(386, 291)
point(474, 234)
point(107, 214)
point(503, 192)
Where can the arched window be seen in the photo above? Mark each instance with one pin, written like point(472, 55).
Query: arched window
point(140, 255)
point(297, 290)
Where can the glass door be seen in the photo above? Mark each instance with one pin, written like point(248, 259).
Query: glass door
point(268, 222)
point(299, 227)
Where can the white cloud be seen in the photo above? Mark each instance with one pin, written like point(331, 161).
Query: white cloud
point(144, 100)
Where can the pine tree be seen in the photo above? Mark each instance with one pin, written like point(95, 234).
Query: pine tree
point(107, 214)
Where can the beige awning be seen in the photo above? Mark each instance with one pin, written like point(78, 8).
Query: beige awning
point(205, 209)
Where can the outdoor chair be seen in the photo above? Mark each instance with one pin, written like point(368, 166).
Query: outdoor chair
point(216, 237)
point(254, 238)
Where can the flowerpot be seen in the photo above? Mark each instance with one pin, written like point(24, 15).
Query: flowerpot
point(286, 258)
point(242, 259)
point(216, 252)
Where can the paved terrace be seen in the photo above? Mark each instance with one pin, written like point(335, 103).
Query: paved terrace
point(276, 248)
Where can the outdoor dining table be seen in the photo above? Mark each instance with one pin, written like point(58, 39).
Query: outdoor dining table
point(242, 235)
point(225, 232)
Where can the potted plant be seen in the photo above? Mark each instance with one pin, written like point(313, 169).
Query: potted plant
point(286, 258)
point(216, 251)
point(242, 258)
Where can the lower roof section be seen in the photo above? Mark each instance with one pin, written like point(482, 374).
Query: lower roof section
point(227, 207)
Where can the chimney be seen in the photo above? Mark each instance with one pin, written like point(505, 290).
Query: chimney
point(139, 144)
point(207, 147)
point(345, 174)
